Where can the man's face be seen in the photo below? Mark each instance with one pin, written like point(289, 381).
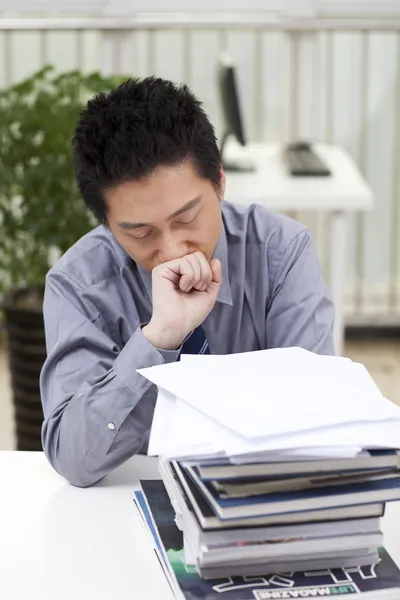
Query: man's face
point(170, 213)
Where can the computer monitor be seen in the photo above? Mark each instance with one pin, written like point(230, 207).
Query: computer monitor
point(233, 122)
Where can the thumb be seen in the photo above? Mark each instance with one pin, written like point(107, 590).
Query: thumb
point(216, 269)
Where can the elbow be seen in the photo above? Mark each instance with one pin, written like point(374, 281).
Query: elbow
point(73, 472)
point(79, 451)
point(67, 459)
point(84, 482)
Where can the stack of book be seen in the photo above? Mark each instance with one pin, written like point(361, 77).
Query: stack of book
point(372, 582)
point(250, 525)
point(274, 462)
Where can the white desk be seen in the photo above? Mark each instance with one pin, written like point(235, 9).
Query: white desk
point(60, 542)
point(270, 186)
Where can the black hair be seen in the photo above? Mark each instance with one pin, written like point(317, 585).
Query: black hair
point(123, 135)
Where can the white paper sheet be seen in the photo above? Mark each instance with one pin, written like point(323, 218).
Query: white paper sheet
point(162, 422)
point(285, 400)
point(194, 434)
point(274, 396)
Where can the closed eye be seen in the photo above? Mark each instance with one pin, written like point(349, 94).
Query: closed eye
point(190, 220)
point(143, 235)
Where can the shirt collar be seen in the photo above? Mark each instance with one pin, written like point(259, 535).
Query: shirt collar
point(220, 252)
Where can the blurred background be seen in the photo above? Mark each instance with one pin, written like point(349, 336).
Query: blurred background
point(321, 70)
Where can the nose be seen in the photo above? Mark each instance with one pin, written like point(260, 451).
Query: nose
point(171, 248)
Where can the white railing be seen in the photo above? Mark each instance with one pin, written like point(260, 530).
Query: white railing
point(331, 79)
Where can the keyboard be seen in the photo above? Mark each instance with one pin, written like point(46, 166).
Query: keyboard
point(302, 161)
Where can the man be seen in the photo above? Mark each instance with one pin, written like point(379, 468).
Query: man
point(172, 269)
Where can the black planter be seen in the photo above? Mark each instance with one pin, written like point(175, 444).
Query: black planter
point(26, 355)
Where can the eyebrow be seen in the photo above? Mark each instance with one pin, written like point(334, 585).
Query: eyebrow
point(177, 213)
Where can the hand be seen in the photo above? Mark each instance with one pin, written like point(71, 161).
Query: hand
point(184, 292)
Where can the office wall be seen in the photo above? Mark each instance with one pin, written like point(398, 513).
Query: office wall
point(355, 103)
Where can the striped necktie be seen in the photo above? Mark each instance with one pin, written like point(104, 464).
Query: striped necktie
point(196, 343)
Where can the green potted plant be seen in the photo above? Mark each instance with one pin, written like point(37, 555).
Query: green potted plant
point(41, 216)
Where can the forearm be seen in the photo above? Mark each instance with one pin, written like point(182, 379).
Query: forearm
point(88, 434)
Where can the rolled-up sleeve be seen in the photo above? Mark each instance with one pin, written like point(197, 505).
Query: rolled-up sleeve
point(300, 311)
point(97, 408)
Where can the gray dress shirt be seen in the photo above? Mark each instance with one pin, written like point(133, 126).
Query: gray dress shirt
point(97, 408)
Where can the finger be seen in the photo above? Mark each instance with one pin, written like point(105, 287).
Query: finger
point(194, 261)
point(187, 274)
point(206, 273)
point(216, 271)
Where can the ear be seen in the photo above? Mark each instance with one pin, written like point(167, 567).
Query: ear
point(222, 182)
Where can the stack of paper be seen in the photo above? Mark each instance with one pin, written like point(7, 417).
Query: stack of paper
point(278, 457)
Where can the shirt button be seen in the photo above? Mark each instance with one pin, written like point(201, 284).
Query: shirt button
point(111, 426)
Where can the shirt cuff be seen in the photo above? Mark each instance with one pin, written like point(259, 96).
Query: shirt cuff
point(138, 353)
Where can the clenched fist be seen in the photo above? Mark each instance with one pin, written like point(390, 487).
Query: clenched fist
point(184, 292)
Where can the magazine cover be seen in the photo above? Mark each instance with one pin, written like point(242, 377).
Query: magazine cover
point(374, 582)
